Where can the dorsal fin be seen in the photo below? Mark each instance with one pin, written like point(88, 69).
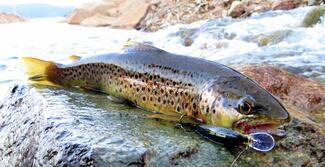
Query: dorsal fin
point(132, 46)
point(74, 58)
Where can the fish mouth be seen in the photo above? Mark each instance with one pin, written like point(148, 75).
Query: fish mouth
point(249, 125)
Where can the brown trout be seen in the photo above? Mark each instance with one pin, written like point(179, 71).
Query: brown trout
point(171, 84)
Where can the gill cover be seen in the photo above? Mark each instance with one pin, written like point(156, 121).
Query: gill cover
point(231, 98)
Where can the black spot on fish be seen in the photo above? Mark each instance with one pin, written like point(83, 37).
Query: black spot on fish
point(144, 98)
point(195, 112)
point(178, 109)
point(194, 105)
point(214, 111)
point(186, 105)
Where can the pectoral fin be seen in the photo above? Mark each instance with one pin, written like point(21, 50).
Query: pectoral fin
point(116, 99)
point(173, 118)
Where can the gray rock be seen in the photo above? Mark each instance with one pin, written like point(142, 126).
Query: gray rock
point(57, 127)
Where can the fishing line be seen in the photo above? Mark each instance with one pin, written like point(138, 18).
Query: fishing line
point(233, 162)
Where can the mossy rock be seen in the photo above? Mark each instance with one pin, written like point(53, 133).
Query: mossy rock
point(270, 38)
point(314, 16)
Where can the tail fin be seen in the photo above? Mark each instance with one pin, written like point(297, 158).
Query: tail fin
point(38, 70)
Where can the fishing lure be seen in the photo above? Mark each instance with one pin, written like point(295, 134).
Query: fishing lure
point(259, 141)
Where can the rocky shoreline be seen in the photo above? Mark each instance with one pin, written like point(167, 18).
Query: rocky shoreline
point(152, 15)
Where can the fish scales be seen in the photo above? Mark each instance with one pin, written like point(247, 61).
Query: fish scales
point(171, 84)
point(147, 78)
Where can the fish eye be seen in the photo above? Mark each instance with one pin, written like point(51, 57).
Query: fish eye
point(245, 108)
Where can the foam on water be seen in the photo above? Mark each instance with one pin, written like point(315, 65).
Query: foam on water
point(229, 41)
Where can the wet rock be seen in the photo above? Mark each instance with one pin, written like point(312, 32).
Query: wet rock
point(187, 41)
point(187, 35)
point(117, 13)
point(314, 16)
point(60, 128)
point(10, 18)
point(283, 5)
point(237, 9)
point(299, 91)
point(270, 38)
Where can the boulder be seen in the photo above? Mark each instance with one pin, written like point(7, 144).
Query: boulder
point(78, 15)
point(237, 9)
point(132, 13)
point(116, 13)
point(98, 20)
point(283, 5)
point(10, 18)
point(296, 90)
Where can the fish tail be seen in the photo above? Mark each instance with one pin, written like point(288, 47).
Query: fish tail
point(39, 71)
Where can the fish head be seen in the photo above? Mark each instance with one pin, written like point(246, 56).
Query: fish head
point(239, 103)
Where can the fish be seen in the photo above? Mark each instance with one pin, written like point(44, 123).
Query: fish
point(170, 84)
